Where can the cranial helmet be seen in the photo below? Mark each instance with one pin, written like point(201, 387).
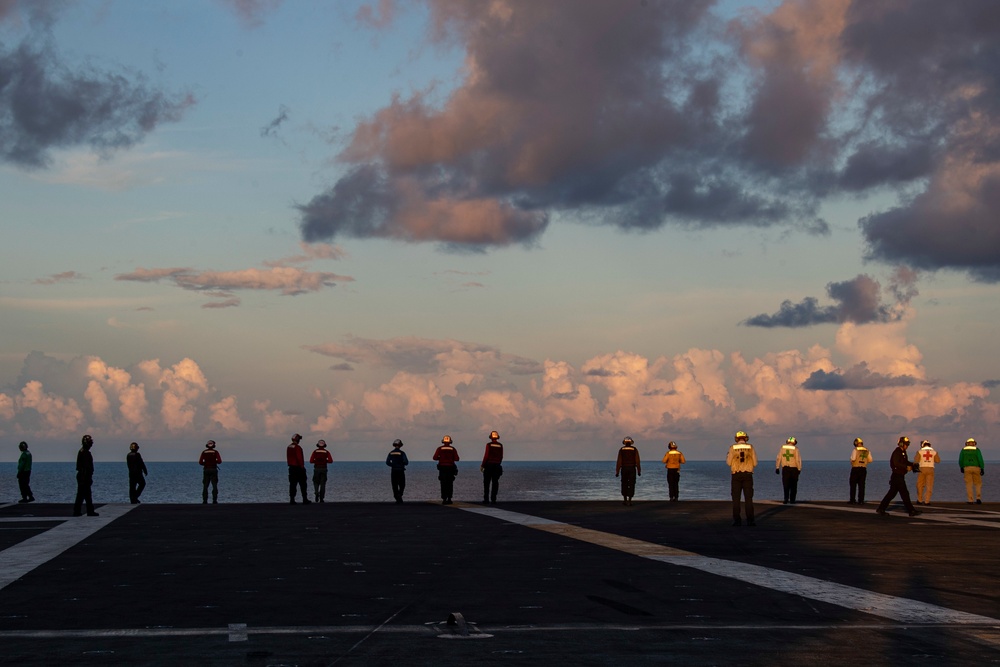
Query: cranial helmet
point(494, 435)
point(742, 435)
point(924, 443)
point(86, 440)
point(627, 441)
point(858, 442)
point(903, 440)
point(134, 447)
point(671, 445)
point(296, 437)
point(321, 444)
point(970, 441)
point(791, 440)
point(210, 444)
point(23, 446)
point(397, 443)
point(446, 440)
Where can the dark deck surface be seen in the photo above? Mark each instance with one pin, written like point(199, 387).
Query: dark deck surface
point(360, 584)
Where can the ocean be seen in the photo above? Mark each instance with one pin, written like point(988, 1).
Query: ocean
point(366, 481)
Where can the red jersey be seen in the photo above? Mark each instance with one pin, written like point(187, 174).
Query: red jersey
point(294, 455)
point(493, 453)
point(210, 459)
point(320, 458)
point(446, 455)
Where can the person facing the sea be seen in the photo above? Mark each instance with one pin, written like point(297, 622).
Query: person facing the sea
point(860, 458)
point(296, 470)
point(628, 465)
point(789, 465)
point(84, 477)
point(24, 474)
point(900, 465)
point(210, 460)
point(136, 473)
point(397, 461)
point(926, 458)
point(970, 462)
point(320, 459)
point(673, 460)
point(446, 456)
point(742, 459)
point(491, 468)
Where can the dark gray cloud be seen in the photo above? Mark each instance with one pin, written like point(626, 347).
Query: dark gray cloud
point(271, 129)
point(856, 377)
point(859, 300)
point(45, 104)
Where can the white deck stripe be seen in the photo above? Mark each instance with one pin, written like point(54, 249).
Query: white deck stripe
point(877, 604)
point(20, 559)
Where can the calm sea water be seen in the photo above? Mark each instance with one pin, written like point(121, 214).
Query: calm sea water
point(265, 482)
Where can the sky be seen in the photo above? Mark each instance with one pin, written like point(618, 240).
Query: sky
point(570, 221)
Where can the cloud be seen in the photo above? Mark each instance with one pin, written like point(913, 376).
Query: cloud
point(271, 129)
point(856, 377)
point(859, 301)
point(252, 12)
point(310, 252)
point(289, 281)
point(46, 104)
point(65, 276)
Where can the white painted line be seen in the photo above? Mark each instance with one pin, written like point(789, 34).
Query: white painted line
point(20, 559)
point(34, 519)
point(877, 604)
point(949, 515)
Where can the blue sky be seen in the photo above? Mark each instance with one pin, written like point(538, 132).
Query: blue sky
point(363, 221)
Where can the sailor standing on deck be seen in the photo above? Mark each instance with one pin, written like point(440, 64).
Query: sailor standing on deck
point(789, 464)
point(970, 462)
point(673, 460)
point(491, 468)
point(742, 459)
point(397, 461)
point(926, 457)
point(900, 465)
point(210, 460)
point(629, 466)
point(24, 474)
point(136, 473)
point(84, 477)
point(296, 470)
point(860, 458)
point(320, 459)
point(446, 456)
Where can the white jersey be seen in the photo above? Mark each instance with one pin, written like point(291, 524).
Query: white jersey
point(788, 456)
point(927, 457)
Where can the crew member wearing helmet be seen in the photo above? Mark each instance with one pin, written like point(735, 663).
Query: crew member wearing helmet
point(860, 458)
point(320, 459)
point(789, 464)
point(926, 458)
point(446, 456)
point(24, 474)
point(742, 459)
point(296, 470)
point(673, 460)
point(491, 468)
point(136, 473)
point(628, 465)
point(210, 460)
point(970, 462)
point(84, 477)
point(900, 465)
point(397, 461)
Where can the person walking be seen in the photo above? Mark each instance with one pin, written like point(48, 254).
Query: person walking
point(860, 458)
point(24, 474)
point(742, 459)
point(397, 461)
point(84, 478)
point(789, 465)
point(296, 470)
point(492, 468)
point(210, 460)
point(136, 473)
point(673, 460)
point(446, 456)
point(629, 465)
point(970, 462)
point(320, 459)
point(900, 465)
point(926, 458)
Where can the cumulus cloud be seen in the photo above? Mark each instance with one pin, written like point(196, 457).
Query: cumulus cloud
point(859, 300)
point(47, 104)
point(856, 377)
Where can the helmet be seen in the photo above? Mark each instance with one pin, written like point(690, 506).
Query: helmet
point(210, 444)
point(627, 441)
point(397, 443)
point(86, 440)
point(858, 442)
point(23, 446)
point(970, 441)
point(296, 437)
point(134, 447)
point(494, 435)
point(742, 435)
point(903, 440)
point(925, 443)
point(321, 444)
point(446, 440)
point(671, 445)
point(791, 440)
